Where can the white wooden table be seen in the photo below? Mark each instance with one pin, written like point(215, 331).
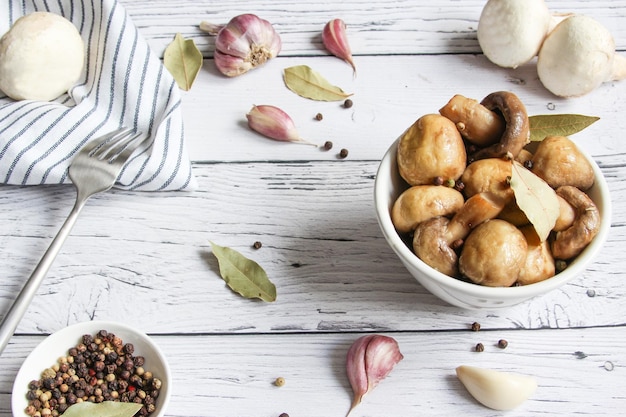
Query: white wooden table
point(145, 259)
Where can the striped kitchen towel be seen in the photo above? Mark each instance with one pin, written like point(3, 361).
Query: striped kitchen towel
point(124, 84)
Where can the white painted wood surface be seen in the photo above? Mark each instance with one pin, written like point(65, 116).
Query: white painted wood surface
point(144, 258)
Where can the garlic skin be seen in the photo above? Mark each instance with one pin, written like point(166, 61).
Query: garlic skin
point(369, 360)
point(494, 389)
point(335, 40)
point(244, 43)
point(274, 123)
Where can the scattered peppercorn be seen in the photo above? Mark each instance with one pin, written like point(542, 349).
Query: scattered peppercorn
point(348, 103)
point(343, 153)
point(319, 116)
point(100, 368)
point(560, 265)
point(257, 245)
point(450, 183)
point(475, 326)
point(528, 164)
point(279, 382)
point(328, 145)
point(438, 180)
point(283, 415)
point(502, 344)
point(459, 185)
point(480, 347)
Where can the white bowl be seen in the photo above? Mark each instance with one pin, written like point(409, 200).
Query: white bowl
point(389, 185)
point(57, 344)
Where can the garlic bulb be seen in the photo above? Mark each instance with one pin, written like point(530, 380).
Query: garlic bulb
point(494, 389)
point(244, 43)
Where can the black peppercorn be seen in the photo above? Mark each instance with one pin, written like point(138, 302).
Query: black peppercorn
point(475, 326)
point(328, 145)
point(343, 153)
point(257, 245)
point(319, 116)
point(502, 344)
point(348, 103)
point(480, 347)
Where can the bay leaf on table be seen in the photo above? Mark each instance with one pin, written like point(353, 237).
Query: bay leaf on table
point(545, 125)
point(103, 409)
point(243, 275)
point(308, 83)
point(536, 199)
point(183, 60)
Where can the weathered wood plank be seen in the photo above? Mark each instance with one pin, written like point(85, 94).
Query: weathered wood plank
point(147, 255)
point(579, 372)
point(386, 27)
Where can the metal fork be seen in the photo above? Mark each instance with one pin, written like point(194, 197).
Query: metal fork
point(93, 170)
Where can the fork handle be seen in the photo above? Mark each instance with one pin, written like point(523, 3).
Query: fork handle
point(26, 295)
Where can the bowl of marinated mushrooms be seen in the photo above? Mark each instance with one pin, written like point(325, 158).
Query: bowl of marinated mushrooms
point(482, 216)
point(93, 368)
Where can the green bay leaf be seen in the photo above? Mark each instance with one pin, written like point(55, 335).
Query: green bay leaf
point(308, 83)
point(536, 199)
point(545, 125)
point(243, 275)
point(183, 60)
point(103, 409)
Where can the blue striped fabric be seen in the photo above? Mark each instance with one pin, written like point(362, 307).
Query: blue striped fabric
point(124, 84)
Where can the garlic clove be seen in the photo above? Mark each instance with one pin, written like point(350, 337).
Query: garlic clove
point(231, 42)
point(495, 389)
point(335, 39)
point(230, 65)
point(369, 360)
point(274, 123)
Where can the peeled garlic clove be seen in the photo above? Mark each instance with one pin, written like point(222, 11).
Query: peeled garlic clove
point(274, 123)
point(370, 359)
point(335, 39)
point(494, 389)
point(244, 43)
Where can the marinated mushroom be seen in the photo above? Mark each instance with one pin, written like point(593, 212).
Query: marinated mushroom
point(436, 240)
point(571, 241)
point(493, 254)
point(488, 175)
point(422, 202)
point(567, 215)
point(558, 161)
point(539, 264)
point(432, 147)
point(476, 123)
point(517, 127)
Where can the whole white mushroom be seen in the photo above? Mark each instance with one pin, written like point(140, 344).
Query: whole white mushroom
point(510, 32)
point(577, 56)
point(41, 57)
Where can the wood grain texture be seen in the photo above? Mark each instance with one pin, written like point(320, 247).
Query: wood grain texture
point(580, 372)
point(145, 259)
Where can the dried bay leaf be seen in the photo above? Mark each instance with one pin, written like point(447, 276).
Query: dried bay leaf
point(536, 199)
point(103, 409)
point(558, 125)
point(183, 60)
point(243, 275)
point(308, 83)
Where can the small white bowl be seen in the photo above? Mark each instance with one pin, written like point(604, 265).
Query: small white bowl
point(389, 185)
point(57, 345)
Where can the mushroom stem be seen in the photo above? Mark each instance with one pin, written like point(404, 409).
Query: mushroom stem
point(477, 209)
point(619, 68)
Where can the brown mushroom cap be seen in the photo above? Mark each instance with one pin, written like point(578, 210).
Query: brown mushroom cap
point(571, 241)
point(488, 175)
point(493, 254)
point(539, 264)
point(433, 249)
point(432, 147)
point(517, 130)
point(558, 161)
point(422, 202)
